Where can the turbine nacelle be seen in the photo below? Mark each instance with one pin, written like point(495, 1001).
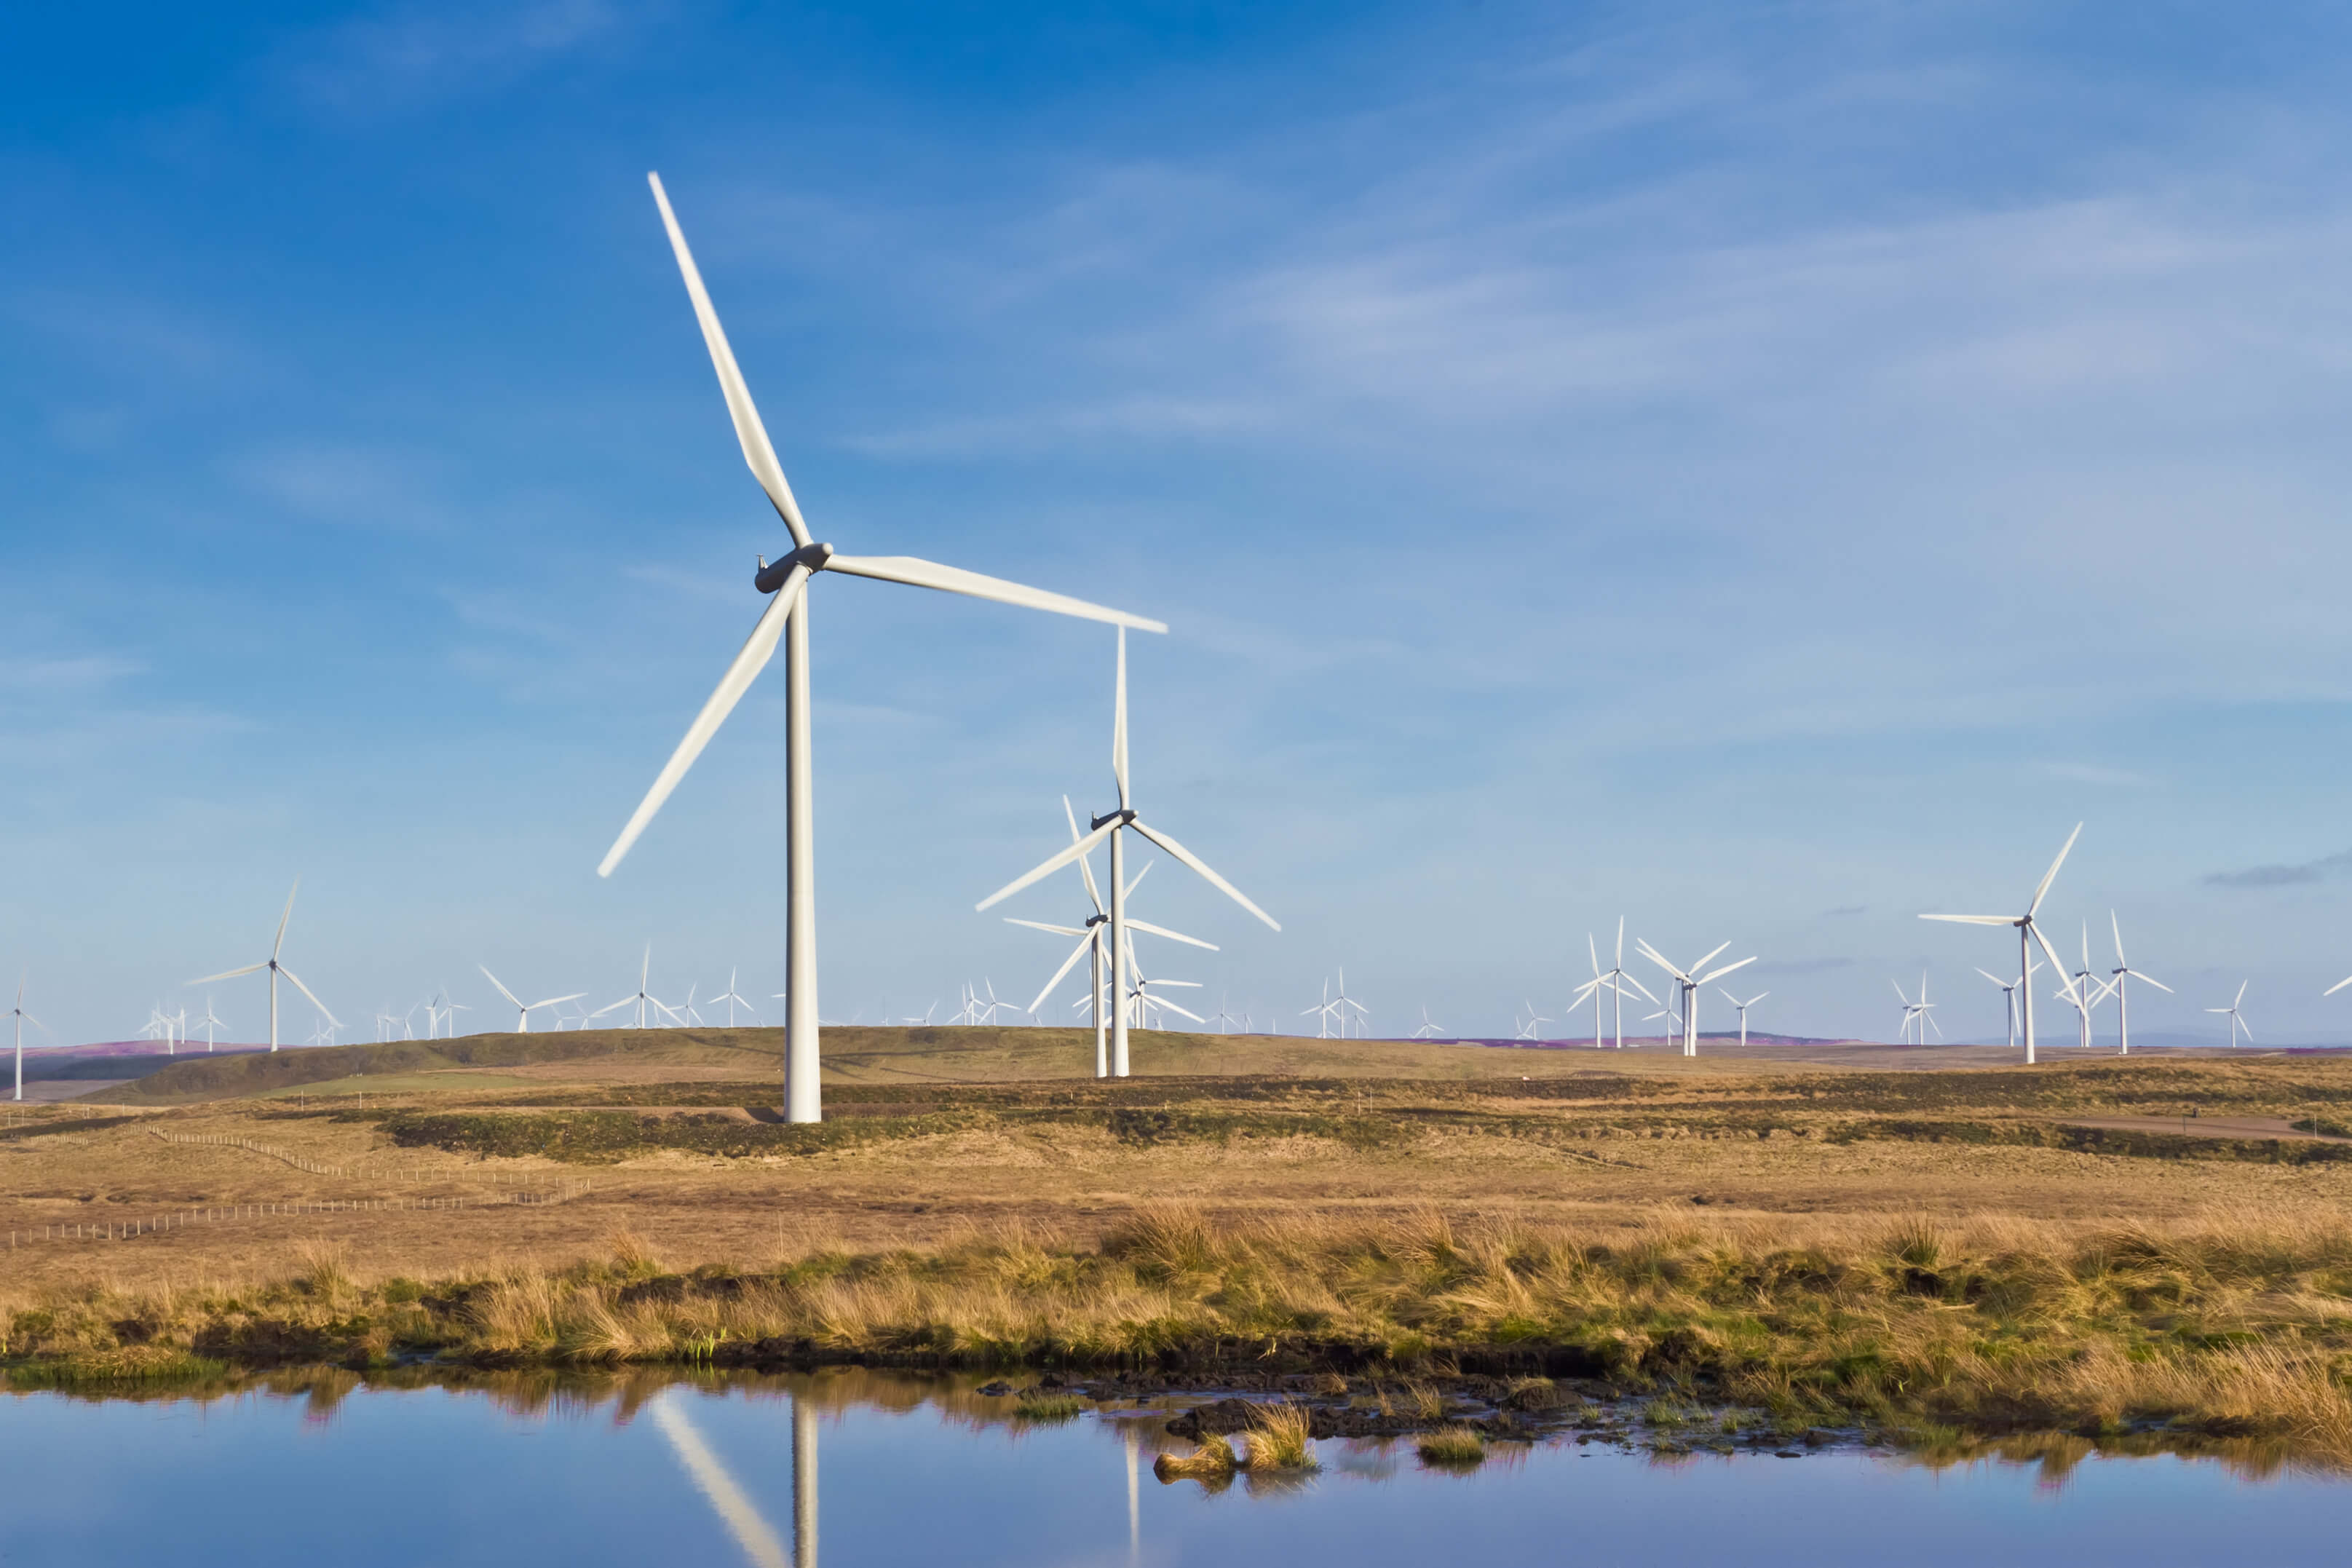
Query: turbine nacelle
point(772, 574)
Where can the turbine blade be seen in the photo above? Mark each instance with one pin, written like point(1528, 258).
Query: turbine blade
point(1077, 953)
point(1637, 985)
point(2151, 980)
point(1702, 963)
point(1134, 924)
point(1040, 925)
point(1974, 919)
point(757, 649)
point(284, 918)
point(554, 1001)
point(749, 431)
point(2051, 874)
point(1085, 867)
point(918, 574)
point(494, 981)
point(1201, 867)
point(2057, 964)
point(306, 991)
point(231, 974)
point(2329, 992)
point(1052, 865)
point(1743, 964)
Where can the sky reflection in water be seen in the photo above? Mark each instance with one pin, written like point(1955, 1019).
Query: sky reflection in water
point(634, 1472)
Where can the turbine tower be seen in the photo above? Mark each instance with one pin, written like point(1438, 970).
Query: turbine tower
point(22, 1018)
point(2117, 981)
point(1690, 982)
point(523, 1010)
point(1111, 827)
point(276, 969)
point(2027, 934)
point(787, 582)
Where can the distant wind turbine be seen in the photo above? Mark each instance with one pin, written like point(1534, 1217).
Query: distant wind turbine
point(787, 581)
point(23, 1019)
point(2027, 933)
point(730, 998)
point(208, 1024)
point(1618, 978)
point(641, 998)
point(1428, 1031)
point(1743, 1008)
point(275, 969)
point(2117, 983)
point(2009, 997)
point(2236, 1022)
point(1690, 982)
point(1114, 827)
point(523, 1010)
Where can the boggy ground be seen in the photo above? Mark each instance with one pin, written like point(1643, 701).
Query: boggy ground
point(1955, 1253)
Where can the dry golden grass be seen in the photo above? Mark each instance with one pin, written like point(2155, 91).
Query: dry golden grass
point(1279, 1439)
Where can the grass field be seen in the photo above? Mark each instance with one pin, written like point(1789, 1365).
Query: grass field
point(2095, 1244)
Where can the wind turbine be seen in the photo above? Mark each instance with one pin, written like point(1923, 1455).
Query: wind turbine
point(787, 582)
point(2026, 930)
point(1090, 942)
point(1743, 1008)
point(2009, 997)
point(1527, 1029)
point(23, 1017)
point(2118, 981)
point(1225, 1021)
point(2236, 1022)
point(1322, 1012)
point(523, 1010)
point(1618, 978)
point(1110, 827)
point(1910, 1014)
point(275, 969)
point(731, 999)
point(1428, 1031)
point(208, 1024)
point(641, 996)
point(1343, 1002)
point(1690, 983)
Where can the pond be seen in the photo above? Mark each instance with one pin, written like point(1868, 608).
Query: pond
point(856, 1467)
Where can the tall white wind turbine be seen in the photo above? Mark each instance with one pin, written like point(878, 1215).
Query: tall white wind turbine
point(276, 969)
point(1690, 981)
point(1115, 827)
point(2236, 1022)
point(2118, 982)
point(785, 619)
point(2027, 933)
point(22, 1018)
point(523, 1010)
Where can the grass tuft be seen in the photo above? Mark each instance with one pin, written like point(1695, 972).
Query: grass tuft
point(1278, 1440)
point(1452, 1448)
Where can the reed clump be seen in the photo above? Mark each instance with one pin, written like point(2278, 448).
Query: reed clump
point(1279, 1439)
point(2229, 1325)
point(1452, 1448)
point(1211, 1460)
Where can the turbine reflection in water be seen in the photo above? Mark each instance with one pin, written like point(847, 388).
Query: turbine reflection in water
point(742, 1518)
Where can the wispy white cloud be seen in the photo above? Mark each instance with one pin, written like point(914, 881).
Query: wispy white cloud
point(408, 55)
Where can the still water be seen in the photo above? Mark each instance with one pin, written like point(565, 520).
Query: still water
point(858, 1469)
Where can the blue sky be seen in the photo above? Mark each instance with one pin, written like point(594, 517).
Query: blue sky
point(1764, 470)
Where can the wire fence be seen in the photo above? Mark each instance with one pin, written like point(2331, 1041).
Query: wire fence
point(181, 1219)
